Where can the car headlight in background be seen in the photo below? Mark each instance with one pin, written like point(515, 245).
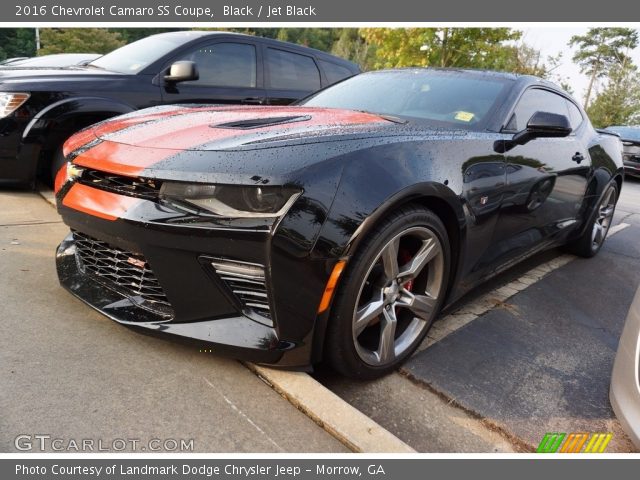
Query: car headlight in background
point(10, 102)
point(232, 201)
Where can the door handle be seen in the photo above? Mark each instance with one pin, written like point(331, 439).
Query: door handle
point(253, 101)
point(578, 157)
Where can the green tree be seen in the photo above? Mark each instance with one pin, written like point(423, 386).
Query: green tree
point(17, 42)
point(520, 58)
point(320, 38)
point(619, 101)
point(129, 35)
point(352, 46)
point(599, 50)
point(78, 40)
point(440, 47)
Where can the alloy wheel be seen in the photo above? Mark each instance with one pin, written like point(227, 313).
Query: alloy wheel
point(398, 298)
point(604, 215)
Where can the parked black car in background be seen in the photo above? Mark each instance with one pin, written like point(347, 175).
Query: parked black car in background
point(630, 136)
point(40, 108)
point(337, 228)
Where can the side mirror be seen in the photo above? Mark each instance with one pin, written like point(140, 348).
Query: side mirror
point(182, 71)
point(543, 125)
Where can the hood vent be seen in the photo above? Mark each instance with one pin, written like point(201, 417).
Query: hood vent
point(262, 122)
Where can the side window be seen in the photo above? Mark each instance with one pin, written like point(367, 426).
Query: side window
point(292, 71)
point(224, 65)
point(334, 72)
point(532, 101)
point(575, 117)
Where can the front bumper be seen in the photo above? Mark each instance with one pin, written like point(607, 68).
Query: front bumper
point(203, 312)
point(235, 335)
point(632, 168)
point(625, 379)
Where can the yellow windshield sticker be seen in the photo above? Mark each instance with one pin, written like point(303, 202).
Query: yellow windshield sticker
point(464, 116)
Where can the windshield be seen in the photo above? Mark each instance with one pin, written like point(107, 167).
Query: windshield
point(441, 97)
point(136, 56)
point(627, 133)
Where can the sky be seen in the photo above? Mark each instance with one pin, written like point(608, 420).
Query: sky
point(554, 40)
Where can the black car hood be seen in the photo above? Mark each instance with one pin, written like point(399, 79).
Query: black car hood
point(187, 141)
point(16, 75)
point(207, 128)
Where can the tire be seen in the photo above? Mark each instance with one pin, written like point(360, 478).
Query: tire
point(56, 164)
point(591, 241)
point(391, 292)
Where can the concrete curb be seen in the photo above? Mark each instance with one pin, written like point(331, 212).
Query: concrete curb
point(353, 428)
point(47, 194)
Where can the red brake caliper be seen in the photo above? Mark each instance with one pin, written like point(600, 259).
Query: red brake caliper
point(404, 257)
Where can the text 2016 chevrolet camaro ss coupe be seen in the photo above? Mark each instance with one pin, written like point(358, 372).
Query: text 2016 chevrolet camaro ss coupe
point(334, 229)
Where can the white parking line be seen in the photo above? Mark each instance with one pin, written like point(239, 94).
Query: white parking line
point(244, 415)
point(470, 311)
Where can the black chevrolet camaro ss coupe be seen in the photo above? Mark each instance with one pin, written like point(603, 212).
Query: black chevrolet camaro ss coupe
point(334, 229)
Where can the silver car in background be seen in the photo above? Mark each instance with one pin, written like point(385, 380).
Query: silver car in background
point(625, 380)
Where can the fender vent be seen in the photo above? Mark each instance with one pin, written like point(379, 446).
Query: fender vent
point(262, 122)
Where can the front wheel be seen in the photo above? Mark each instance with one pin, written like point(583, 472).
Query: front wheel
point(591, 241)
point(391, 293)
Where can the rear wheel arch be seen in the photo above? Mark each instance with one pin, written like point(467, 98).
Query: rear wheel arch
point(619, 181)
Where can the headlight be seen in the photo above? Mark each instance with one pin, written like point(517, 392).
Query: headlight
point(232, 201)
point(10, 102)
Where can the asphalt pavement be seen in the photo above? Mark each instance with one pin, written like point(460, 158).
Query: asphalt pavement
point(538, 359)
point(69, 374)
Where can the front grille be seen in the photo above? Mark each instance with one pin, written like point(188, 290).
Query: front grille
point(125, 272)
point(248, 284)
point(130, 186)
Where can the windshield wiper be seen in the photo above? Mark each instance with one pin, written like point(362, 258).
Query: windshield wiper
point(386, 116)
point(393, 118)
point(93, 66)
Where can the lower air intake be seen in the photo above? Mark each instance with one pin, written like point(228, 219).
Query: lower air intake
point(125, 272)
point(248, 284)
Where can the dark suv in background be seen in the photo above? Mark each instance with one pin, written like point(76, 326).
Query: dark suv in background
point(41, 108)
point(630, 136)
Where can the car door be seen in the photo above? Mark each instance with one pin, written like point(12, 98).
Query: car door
point(289, 76)
point(229, 73)
point(546, 178)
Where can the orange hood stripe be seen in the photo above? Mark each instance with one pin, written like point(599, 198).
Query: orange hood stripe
point(105, 205)
point(129, 151)
point(119, 123)
point(121, 159)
